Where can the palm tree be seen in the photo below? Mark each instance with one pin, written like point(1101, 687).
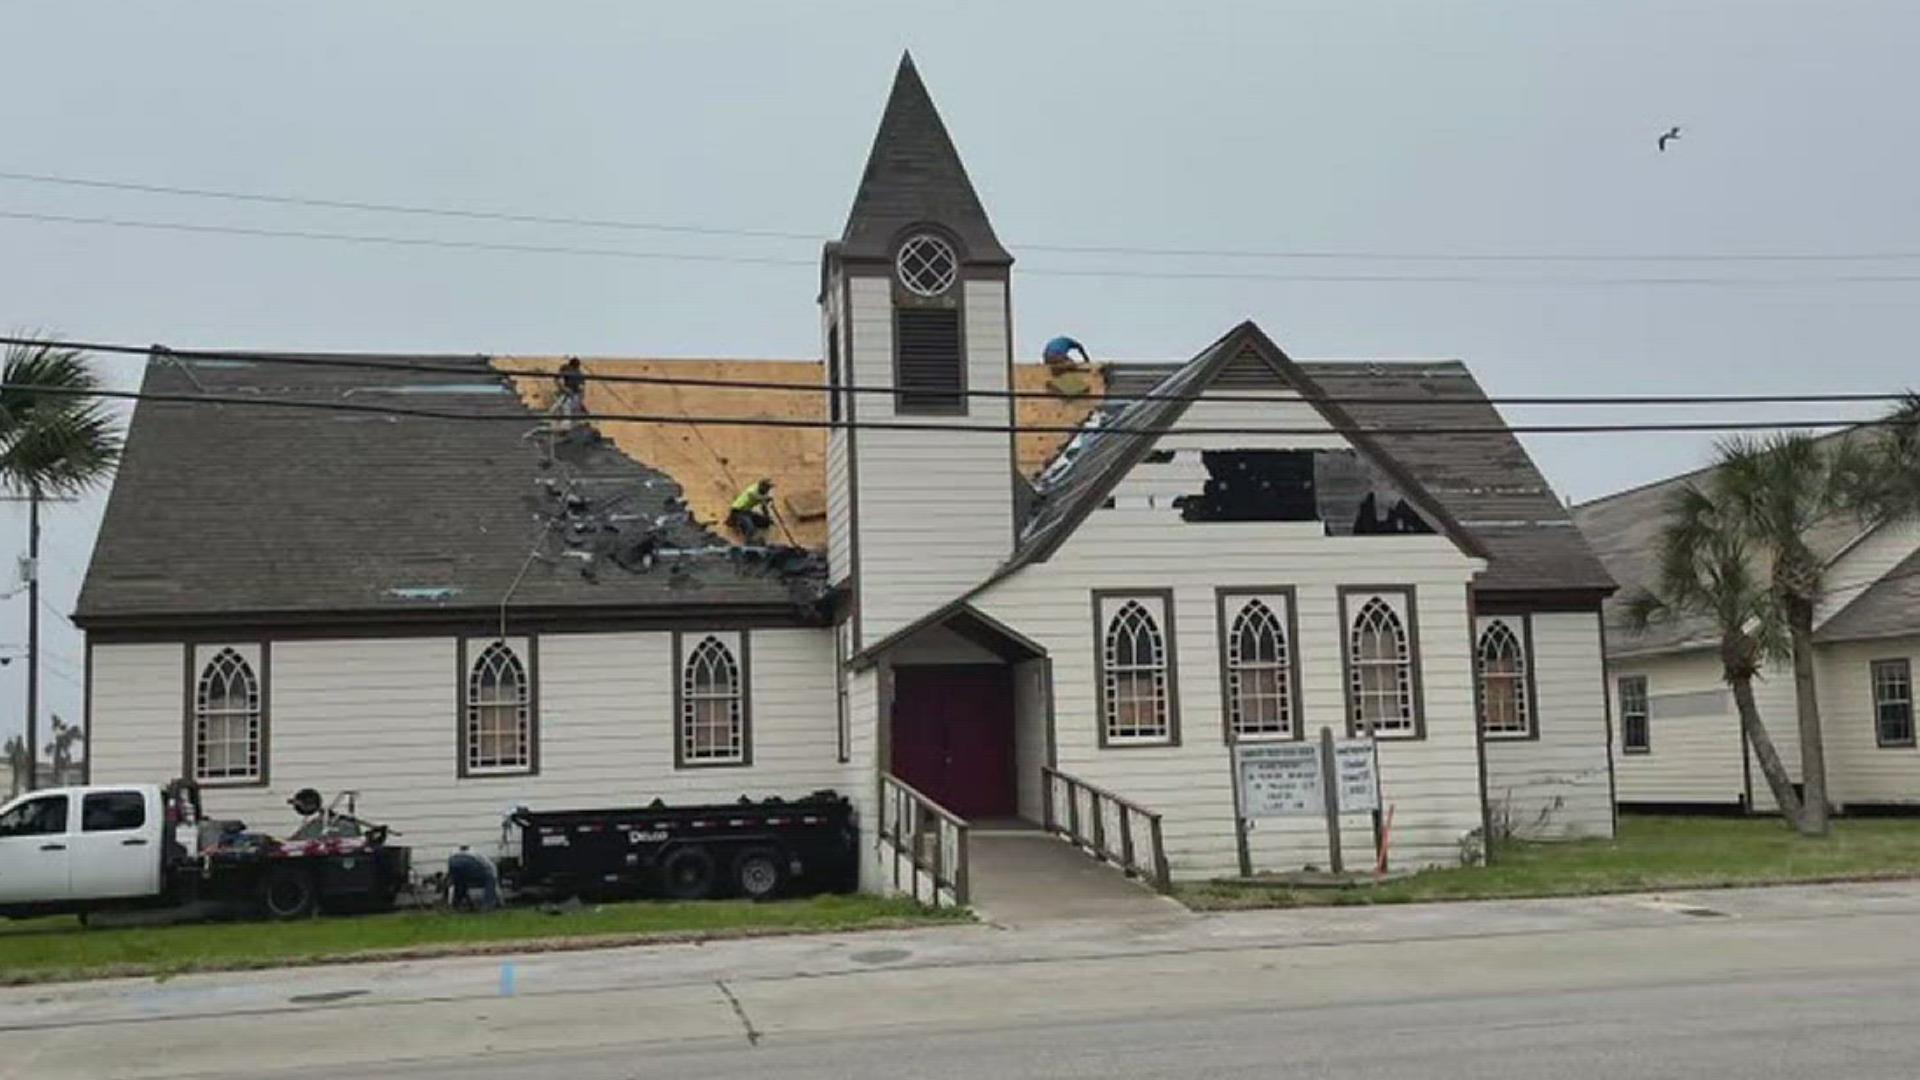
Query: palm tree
point(66, 737)
point(1887, 485)
point(1776, 491)
point(16, 755)
point(1706, 568)
point(56, 439)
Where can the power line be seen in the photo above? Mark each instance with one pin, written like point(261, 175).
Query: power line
point(914, 425)
point(518, 217)
point(691, 257)
point(445, 367)
point(401, 241)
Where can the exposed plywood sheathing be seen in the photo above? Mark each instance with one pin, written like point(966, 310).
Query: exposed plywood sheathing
point(713, 462)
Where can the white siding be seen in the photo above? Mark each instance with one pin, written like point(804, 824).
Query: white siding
point(1433, 783)
point(380, 716)
point(138, 714)
point(1859, 770)
point(839, 483)
point(868, 710)
point(1557, 785)
point(935, 508)
point(1866, 562)
point(1030, 735)
point(1695, 754)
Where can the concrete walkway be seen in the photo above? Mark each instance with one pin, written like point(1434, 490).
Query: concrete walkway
point(1022, 876)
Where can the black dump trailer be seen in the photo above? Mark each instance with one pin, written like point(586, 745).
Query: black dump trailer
point(758, 850)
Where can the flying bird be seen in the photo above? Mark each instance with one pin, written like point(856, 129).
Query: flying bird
point(1672, 134)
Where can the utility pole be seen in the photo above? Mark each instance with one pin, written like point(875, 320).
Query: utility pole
point(33, 636)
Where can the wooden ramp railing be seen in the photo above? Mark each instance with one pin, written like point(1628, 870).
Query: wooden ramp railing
point(927, 843)
point(1106, 826)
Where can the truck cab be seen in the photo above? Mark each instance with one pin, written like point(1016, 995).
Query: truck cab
point(67, 845)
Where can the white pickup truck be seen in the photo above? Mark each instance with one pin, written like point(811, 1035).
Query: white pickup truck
point(84, 849)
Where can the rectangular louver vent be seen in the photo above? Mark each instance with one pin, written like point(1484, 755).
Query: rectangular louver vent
point(929, 370)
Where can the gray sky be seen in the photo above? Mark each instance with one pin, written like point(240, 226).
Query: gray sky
point(1341, 126)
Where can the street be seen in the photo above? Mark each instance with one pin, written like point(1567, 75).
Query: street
point(1755, 983)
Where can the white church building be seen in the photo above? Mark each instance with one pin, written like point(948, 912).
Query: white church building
point(454, 618)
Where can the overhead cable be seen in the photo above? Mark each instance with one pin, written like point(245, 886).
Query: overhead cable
point(263, 401)
point(429, 366)
point(1094, 272)
point(517, 217)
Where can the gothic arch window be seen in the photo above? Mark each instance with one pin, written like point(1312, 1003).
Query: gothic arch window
point(1380, 690)
point(712, 704)
point(1259, 673)
point(1136, 687)
point(1502, 664)
point(497, 735)
point(228, 737)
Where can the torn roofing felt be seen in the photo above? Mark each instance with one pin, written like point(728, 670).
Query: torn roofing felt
point(1091, 470)
point(231, 509)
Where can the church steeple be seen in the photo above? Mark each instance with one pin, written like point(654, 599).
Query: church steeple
point(914, 177)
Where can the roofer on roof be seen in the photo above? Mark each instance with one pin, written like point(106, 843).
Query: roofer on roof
point(573, 389)
point(1059, 352)
point(752, 512)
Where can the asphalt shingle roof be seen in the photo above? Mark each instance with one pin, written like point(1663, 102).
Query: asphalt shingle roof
point(913, 176)
point(1624, 530)
point(1487, 482)
point(1889, 608)
point(236, 509)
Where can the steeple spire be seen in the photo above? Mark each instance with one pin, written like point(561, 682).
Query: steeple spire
point(914, 176)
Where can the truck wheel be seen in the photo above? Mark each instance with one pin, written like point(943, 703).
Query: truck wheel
point(287, 892)
point(687, 874)
point(759, 873)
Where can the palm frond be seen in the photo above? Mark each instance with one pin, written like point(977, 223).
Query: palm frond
point(58, 443)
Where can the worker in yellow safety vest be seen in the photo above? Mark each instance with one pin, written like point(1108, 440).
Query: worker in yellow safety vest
point(752, 512)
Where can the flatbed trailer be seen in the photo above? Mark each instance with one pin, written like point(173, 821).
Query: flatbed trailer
point(144, 846)
point(753, 849)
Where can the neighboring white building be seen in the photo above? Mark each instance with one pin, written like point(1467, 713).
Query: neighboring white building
point(436, 614)
point(1679, 736)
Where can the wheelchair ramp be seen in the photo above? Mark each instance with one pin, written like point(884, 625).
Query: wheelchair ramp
point(1023, 875)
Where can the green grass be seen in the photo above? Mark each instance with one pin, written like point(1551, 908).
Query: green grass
point(1651, 852)
point(44, 950)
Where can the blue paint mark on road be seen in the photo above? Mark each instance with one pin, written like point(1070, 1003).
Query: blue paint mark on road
point(508, 975)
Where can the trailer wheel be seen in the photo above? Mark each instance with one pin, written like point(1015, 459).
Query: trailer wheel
point(759, 873)
point(687, 874)
point(287, 892)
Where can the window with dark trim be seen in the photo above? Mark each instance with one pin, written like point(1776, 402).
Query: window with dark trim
point(1137, 706)
point(1635, 736)
point(227, 741)
point(497, 729)
point(713, 703)
point(1893, 702)
point(929, 340)
point(1259, 672)
point(1380, 682)
point(928, 364)
point(1501, 660)
point(836, 409)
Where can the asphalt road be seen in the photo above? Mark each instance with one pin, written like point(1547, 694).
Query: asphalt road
point(1820, 982)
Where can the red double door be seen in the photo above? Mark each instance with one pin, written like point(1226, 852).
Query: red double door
point(953, 736)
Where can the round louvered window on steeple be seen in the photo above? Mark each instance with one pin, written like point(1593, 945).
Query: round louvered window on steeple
point(926, 265)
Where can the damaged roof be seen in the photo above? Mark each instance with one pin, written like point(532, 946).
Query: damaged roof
point(1484, 482)
point(220, 510)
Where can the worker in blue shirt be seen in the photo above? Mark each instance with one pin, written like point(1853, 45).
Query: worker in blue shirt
point(1058, 353)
